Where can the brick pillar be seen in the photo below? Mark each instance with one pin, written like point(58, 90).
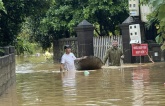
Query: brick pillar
point(85, 35)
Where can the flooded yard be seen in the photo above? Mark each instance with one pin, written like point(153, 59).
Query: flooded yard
point(39, 83)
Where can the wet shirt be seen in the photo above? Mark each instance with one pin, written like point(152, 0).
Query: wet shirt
point(68, 61)
point(114, 55)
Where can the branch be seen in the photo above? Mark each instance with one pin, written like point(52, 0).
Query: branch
point(97, 32)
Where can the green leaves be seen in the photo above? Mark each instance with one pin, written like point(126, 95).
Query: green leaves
point(53, 19)
point(66, 14)
point(10, 22)
point(23, 46)
point(18, 12)
point(157, 17)
point(107, 14)
point(163, 46)
point(2, 6)
point(159, 39)
point(158, 11)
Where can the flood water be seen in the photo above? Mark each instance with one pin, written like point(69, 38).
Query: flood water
point(39, 83)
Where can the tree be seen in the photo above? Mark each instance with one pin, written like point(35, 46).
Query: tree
point(108, 14)
point(17, 12)
point(53, 19)
point(2, 6)
point(10, 22)
point(38, 10)
point(62, 17)
point(157, 17)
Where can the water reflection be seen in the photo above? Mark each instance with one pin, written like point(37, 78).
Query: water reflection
point(140, 84)
point(69, 87)
point(68, 78)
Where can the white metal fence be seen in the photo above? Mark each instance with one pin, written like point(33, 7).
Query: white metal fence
point(102, 44)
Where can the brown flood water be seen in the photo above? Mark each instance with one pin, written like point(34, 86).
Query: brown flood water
point(41, 84)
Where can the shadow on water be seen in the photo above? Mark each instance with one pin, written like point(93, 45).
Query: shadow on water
point(39, 83)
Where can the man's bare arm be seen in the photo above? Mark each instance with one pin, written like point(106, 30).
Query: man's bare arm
point(62, 67)
point(81, 58)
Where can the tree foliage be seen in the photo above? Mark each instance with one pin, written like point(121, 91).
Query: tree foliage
point(108, 14)
point(16, 13)
point(64, 15)
point(23, 44)
point(157, 17)
point(2, 6)
point(10, 22)
point(49, 20)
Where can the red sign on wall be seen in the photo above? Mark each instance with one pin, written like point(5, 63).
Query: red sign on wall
point(139, 49)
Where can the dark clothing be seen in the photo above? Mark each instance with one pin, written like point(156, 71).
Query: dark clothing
point(114, 56)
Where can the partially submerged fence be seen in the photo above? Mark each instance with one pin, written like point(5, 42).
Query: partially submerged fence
point(7, 68)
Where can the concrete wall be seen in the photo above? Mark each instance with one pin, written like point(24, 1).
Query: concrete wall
point(7, 69)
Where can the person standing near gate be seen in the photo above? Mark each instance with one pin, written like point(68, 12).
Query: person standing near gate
point(114, 54)
point(67, 60)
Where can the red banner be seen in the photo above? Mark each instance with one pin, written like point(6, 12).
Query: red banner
point(139, 49)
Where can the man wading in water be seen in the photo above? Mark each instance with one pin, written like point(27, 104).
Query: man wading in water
point(67, 60)
point(114, 54)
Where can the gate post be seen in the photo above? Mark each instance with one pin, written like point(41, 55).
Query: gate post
point(127, 49)
point(56, 52)
point(85, 35)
